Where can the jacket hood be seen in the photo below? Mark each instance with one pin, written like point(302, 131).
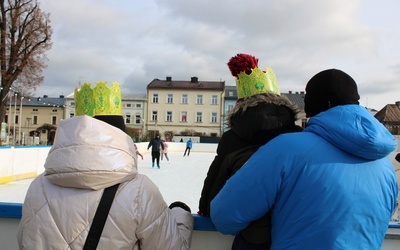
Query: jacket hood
point(259, 118)
point(90, 154)
point(352, 129)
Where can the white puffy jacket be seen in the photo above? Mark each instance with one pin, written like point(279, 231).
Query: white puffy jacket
point(89, 155)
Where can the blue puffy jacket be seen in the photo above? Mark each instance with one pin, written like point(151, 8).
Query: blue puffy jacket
point(329, 187)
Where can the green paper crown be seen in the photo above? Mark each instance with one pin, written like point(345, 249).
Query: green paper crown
point(99, 101)
point(258, 82)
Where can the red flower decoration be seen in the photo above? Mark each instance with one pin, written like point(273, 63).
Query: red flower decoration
point(242, 63)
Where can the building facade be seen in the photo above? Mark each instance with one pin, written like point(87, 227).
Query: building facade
point(192, 107)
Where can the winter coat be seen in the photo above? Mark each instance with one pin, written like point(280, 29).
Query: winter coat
point(88, 156)
point(156, 145)
point(165, 150)
point(253, 122)
point(331, 186)
point(189, 144)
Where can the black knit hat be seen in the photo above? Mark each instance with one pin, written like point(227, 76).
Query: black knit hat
point(327, 89)
point(114, 120)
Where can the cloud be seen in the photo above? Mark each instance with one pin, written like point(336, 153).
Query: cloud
point(134, 42)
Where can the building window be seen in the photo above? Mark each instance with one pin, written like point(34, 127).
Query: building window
point(169, 116)
point(184, 99)
point(128, 105)
point(199, 99)
point(54, 120)
point(155, 98)
point(128, 118)
point(230, 107)
point(183, 116)
point(138, 105)
point(199, 117)
point(16, 119)
point(35, 119)
point(170, 98)
point(138, 119)
point(54, 111)
point(35, 110)
point(214, 117)
point(72, 104)
point(154, 116)
point(6, 118)
point(71, 115)
point(214, 99)
point(230, 93)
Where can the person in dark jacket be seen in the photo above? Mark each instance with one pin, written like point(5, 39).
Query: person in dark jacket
point(188, 147)
point(155, 145)
point(258, 116)
point(331, 186)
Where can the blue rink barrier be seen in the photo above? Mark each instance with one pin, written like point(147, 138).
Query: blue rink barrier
point(14, 211)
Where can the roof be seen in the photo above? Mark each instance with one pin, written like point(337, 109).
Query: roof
point(296, 98)
point(390, 114)
point(193, 84)
point(44, 101)
point(230, 93)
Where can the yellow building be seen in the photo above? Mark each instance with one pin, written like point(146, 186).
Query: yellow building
point(190, 107)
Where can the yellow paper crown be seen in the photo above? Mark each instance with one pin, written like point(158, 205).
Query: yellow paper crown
point(257, 82)
point(99, 101)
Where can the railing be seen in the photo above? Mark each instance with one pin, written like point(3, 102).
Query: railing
point(204, 237)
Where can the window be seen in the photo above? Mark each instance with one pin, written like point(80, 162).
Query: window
point(230, 93)
point(183, 116)
point(184, 99)
point(154, 116)
point(71, 115)
point(198, 116)
point(169, 116)
point(230, 107)
point(137, 119)
point(128, 105)
point(54, 111)
point(35, 110)
point(54, 120)
point(16, 119)
point(214, 117)
point(6, 118)
point(199, 99)
point(155, 98)
point(72, 104)
point(214, 99)
point(170, 98)
point(138, 105)
point(128, 118)
point(35, 119)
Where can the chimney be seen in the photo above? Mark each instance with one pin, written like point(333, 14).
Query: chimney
point(45, 96)
point(290, 91)
point(194, 79)
point(61, 96)
point(169, 78)
point(397, 104)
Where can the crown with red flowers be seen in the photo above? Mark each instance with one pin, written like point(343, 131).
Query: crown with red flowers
point(251, 80)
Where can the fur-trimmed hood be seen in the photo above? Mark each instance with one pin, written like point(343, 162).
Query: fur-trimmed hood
point(259, 118)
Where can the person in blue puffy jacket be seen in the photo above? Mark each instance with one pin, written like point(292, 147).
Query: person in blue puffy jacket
point(331, 186)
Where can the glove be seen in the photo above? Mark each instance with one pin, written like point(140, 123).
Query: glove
point(181, 205)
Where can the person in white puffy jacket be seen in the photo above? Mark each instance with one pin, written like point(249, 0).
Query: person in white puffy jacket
point(88, 156)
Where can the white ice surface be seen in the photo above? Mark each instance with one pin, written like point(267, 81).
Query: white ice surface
point(181, 179)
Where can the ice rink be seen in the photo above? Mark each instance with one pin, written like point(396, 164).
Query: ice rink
point(180, 179)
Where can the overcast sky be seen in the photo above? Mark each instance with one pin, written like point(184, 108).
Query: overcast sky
point(136, 41)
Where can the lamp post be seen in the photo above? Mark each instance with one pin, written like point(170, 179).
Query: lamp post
point(20, 121)
point(9, 116)
point(15, 116)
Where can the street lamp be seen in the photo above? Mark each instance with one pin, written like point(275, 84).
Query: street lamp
point(20, 121)
point(15, 116)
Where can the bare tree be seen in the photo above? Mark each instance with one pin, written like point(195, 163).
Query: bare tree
point(25, 36)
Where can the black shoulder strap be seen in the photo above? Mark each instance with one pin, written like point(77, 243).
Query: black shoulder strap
point(100, 218)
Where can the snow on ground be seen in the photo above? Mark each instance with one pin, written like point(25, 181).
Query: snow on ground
point(181, 179)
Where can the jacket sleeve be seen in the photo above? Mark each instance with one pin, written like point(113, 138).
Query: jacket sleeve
point(230, 210)
point(160, 227)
